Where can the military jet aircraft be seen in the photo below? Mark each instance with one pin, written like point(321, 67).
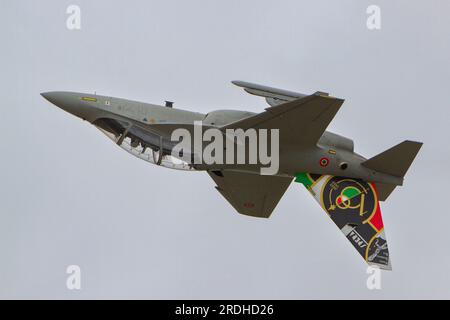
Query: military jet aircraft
point(346, 185)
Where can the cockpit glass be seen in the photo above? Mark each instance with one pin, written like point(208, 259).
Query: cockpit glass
point(147, 153)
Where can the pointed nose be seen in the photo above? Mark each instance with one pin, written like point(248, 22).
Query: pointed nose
point(71, 102)
point(59, 99)
point(47, 96)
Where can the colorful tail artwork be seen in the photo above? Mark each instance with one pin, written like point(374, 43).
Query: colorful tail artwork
point(353, 206)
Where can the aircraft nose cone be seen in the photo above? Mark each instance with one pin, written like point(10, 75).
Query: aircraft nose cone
point(63, 100)
point(71, 103)
point(57, 98)
point(47, 96)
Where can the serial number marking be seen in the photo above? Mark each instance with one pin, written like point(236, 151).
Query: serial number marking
point(249, 309)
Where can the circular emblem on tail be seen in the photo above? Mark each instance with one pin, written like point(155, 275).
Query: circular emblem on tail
point(349, 198)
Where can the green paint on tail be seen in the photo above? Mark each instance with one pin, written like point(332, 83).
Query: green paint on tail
point(303, 179)
point(351, 192)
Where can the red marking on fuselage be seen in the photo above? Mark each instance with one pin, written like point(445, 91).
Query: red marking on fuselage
point(324, 162)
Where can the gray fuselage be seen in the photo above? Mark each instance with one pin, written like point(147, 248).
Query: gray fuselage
point(152, 125)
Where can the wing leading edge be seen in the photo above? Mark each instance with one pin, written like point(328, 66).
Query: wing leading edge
point(300, 122)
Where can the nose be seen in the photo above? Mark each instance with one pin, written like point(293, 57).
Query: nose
point(70, 102)
point(59, 99)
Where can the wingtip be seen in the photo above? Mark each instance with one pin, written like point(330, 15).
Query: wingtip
point(418, 143)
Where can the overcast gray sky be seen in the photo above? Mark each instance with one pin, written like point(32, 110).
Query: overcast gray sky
point(70, 196)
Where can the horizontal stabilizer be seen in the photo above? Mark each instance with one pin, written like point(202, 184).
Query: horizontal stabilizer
point(396, 160)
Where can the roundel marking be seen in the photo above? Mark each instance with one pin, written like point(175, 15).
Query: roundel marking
point(324, 161)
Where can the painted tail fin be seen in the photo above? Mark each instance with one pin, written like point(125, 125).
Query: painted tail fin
point(394, 161)
point(353, 206)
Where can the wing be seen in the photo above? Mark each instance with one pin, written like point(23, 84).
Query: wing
point(273, 96)
point(250, 194)
point(300, 122)
point(353, 206)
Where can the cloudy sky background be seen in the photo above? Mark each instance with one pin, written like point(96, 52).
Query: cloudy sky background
point(70, 196)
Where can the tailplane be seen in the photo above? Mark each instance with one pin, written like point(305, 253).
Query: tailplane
point(396, 160)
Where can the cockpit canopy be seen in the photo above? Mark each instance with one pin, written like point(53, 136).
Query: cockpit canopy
point(142, 144)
